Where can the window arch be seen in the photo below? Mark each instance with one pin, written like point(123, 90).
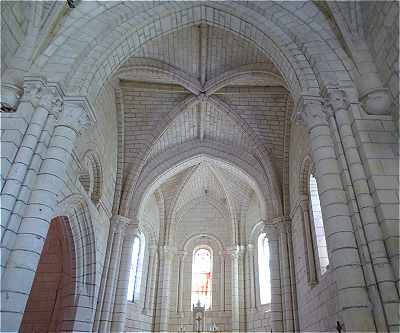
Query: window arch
point(135, 275)
point(202, 277)
point(319, 232)
point(264, 273)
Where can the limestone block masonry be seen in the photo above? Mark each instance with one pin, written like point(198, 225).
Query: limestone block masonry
point(136, 133)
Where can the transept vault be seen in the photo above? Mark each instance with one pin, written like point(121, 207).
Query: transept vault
point(203, 166)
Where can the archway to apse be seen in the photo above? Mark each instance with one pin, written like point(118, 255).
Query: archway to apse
point(244, 165)
point(50, 305)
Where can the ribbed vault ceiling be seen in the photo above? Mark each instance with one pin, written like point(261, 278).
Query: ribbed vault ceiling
point(245, 104)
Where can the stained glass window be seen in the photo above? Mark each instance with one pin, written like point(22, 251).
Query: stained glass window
point(135, 275)
point(318, 225)
point(201, 277)
point(264, 274)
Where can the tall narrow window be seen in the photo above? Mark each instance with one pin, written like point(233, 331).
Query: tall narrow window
point(135, 275)
point(201, 277)
point(318, 225)
point(264, 274)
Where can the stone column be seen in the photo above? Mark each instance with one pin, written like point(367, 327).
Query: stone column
point(149, 279)
point(122, 278)
point(252, 287)
point(276, 293)
point(376, 261)
point(283, 224)
point(222, 286)
point(118, 227)
point(353, 301)
point(180, 285)
point(167, 255)
point(235, 254)
point(23, 260)
point(44, 103)
point(292, 279)
point(104, 277)
point(308, 243)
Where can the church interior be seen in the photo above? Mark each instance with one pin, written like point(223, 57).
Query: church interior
point(199, 166)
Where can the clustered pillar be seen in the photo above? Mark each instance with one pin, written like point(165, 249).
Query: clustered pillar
point(378, 271)
point(112, 300)
point(120, 301)
point(353, 300)
point(24, 253)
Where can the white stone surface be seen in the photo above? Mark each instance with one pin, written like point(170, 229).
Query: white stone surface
point(192, 143)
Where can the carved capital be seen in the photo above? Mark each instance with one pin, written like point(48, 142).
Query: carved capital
point(47, 98)
point(310, 113)
point(119, 223)
point(336, 99)
point(168, 252)
point(235, 252)
point(282, 223)
point(76, 116)
point(271, 231)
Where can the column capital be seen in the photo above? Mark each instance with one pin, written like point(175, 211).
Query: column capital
point(75, 115)
point(310, 112)
point(119, 223)
point(335, 99)
point(250, 248)
point(167, 251)
point(283, 223)
point(47, 98)
point(234, 251)
point(271, 231)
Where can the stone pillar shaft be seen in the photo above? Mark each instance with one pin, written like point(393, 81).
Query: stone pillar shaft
point(252, 287)
point(276, 293)
point(180, 283)
point(24, 258)
point(149, 280)
point(121, 302)
point(9, 233)
point(164, 285)
point(118, 225)
point(235, 290)
point(48, 103)
point(382, 279)
point(309, 246)
point(353, 299)
point(104, 278)
point(285, 276)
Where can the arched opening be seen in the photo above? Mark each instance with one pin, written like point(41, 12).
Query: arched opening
point(50, 305)
point(135, 274)
point(264, 274)
point(319, 232)
point(202, 277)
